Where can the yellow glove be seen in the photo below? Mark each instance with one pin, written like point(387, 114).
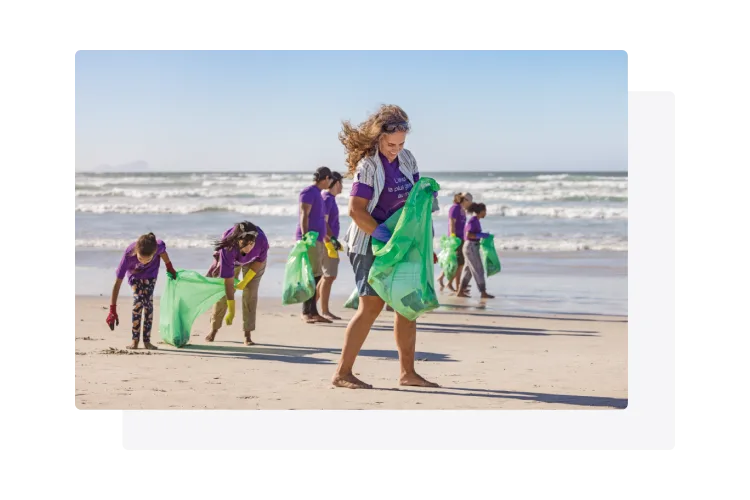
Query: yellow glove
point(332, 253)
point(230, 314)
point(249, 275)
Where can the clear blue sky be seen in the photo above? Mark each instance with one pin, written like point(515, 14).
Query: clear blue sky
point(282, 111)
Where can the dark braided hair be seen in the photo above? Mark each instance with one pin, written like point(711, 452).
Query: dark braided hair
point(243, 234)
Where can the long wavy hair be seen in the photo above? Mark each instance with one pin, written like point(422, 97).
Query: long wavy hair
point(362, 140)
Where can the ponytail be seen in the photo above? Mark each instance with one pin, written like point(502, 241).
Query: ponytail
point(242, 234)
point(146, 245)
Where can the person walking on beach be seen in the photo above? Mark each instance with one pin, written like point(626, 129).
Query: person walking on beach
point(312, 218)
point(456, 223)
point(243, 248)
point(474, 268)
point(330, 259)
point(384, 174)
point(140, 261)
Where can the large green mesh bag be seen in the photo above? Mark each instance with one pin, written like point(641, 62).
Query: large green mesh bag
point(447, 258)
point(184, 299)
point(403, 273)
point(488, 253)
point(299, 283)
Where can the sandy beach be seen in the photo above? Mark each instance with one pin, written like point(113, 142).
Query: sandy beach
point(483, 358)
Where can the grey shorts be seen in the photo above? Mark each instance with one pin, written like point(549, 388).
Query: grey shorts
point(361, 265)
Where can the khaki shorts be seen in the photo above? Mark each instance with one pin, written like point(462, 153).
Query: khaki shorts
point(316, 254)
point(330, 266)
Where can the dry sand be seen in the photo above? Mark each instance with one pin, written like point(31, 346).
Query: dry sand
point(483, 358)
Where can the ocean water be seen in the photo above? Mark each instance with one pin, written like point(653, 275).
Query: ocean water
point(562, 237)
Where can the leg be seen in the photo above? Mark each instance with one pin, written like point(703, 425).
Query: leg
point(250, 305)
point(457, 278)
point(356, 333)
point(330, 269)
point(406, 340)
point(440, 281)
point(148, 312)
point(137, 313)
point(316, 259)
point(370, 306)
point(464, 281)
point(218, 312)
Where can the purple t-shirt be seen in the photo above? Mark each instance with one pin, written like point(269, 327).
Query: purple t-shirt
point(395, 191)
point(228, 258)
point(473, 226)
point(130, 265)
point(316, 222)
point(455, 212)
point(331, 209)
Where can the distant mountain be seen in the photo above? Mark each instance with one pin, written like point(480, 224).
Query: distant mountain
point(134, 166)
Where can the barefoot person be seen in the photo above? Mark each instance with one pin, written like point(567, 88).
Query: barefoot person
point(243, 248)
point(312, 218)
point(141, 262)
point(456, 223)
point(330, 264)
point(474, 268)
point(385, 173)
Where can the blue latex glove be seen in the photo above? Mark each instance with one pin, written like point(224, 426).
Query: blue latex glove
point(483, 235)
point(382, 233)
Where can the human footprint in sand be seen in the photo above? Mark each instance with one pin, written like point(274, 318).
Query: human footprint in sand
point(384, 173)
point(243, 248)
point(140, 262)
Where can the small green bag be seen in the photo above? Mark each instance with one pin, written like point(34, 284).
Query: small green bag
point(299, 283)
point(448, 258)
point(490, 259)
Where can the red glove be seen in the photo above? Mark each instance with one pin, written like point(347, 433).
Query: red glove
point(170, 271)
point(112, 318)
point(434, 258)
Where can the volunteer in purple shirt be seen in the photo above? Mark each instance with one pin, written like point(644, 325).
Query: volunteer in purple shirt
point(312, 218)
point(456, 222)
point(330, 260)
point(242, 249)
point(140, 263)
point(377, 160)
point(472, 236)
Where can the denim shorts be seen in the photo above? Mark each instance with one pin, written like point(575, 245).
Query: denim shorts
point(361, 265)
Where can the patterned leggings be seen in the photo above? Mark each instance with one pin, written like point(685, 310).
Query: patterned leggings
point(143, 298)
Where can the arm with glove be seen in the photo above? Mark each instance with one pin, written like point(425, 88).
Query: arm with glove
point(112, 318)
point(170, 269)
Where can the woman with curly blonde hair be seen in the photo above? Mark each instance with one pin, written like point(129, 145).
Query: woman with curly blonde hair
point(384, 174)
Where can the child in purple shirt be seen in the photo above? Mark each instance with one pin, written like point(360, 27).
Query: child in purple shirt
point(474, 267)
point(242, 249)
point(140, 262)
point(456, 223)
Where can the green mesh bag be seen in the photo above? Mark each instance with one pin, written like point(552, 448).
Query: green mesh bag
point(447, 258)
point(353, 301)
point(184, 299)
point(488, 253)
point(299, 283)
point(403, 273)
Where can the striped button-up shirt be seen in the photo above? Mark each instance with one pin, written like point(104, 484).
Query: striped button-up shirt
point(371, 173)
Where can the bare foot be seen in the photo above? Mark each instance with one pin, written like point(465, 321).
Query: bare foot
point(248, 340)
point(308, 319)
point(486, 295)
point(350, 382)
point(211, 336)
point(450, 287)
point(463, 294)
point(132, 345)
point(320, 319)
point(330, 316)
point(150, 346)
point(414, 379)
point(442, 285)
